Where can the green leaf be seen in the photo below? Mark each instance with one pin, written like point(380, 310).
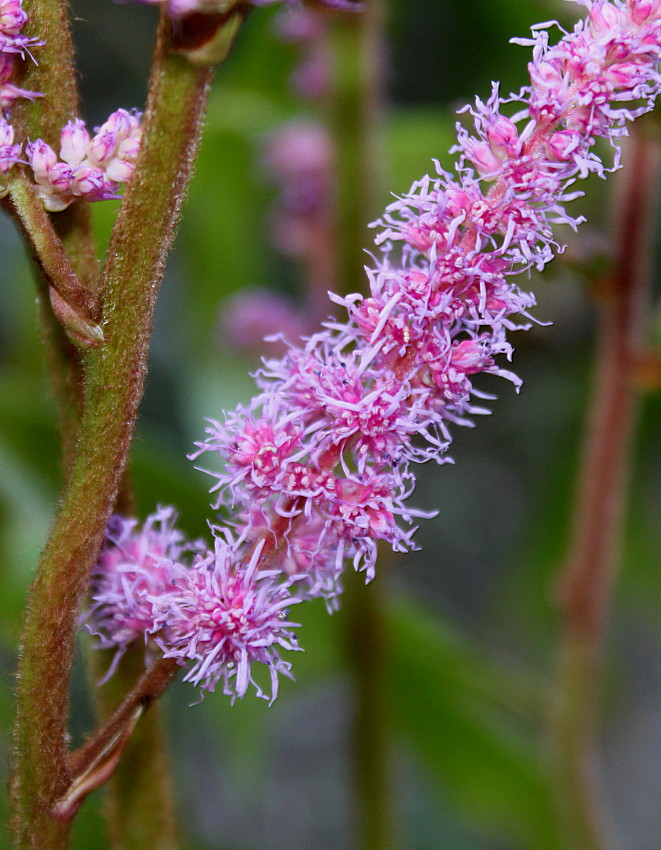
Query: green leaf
point(470, 724)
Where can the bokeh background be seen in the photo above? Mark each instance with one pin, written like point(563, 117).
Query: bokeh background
point(471, 617)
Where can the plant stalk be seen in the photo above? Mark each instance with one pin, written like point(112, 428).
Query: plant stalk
point(357, 92)
point(114, 383)
point(589, 573)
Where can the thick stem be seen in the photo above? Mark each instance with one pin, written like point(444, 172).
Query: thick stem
point(588, 576)
point(357, 78)
point(114, 382)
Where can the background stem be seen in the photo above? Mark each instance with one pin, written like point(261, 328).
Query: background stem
point(357, 92)
point(587, 579)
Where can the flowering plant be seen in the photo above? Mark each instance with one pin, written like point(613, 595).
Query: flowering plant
point(318, 468)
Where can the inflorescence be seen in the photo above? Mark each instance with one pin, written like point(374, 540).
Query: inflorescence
point(89, 168)
point(318, 467)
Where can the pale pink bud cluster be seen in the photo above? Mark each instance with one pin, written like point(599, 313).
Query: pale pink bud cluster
point(90, 168)
point(87, 167)
point(318, 467)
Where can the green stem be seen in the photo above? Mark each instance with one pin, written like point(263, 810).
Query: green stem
point(366, 647)
point(587, 581)
point(358, 51)
point(114, 383)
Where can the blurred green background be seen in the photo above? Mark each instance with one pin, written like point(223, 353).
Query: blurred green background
point(471, 618)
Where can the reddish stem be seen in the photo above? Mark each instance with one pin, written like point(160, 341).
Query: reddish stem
point(588, 576)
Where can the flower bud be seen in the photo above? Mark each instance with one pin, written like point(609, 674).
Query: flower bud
point(74, 141)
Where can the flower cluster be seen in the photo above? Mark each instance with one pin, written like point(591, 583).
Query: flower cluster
point(207, 608)
point(90, 168)
point(318, 467)
point(13, 46)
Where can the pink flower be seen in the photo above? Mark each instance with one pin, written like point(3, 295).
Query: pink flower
point(9, 152)
point(134, 573)
point(318, 468)
point(371, 395)
point(225, 617)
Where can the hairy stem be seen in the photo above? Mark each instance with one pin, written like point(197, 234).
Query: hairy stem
point(114, 382)
point(589, 572)
point(357, 78)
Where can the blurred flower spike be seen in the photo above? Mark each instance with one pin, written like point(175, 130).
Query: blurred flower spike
point(182, 8)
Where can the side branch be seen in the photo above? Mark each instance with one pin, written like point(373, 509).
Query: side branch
point(92, 764)
point(74, 305)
